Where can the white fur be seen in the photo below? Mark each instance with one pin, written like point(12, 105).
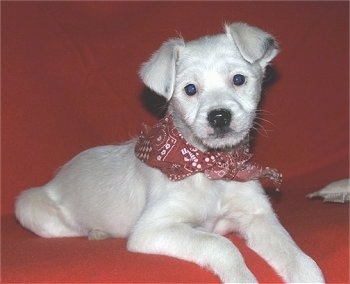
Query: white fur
point(107, 192)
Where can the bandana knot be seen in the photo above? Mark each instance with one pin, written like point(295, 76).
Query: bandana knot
point(164, 147)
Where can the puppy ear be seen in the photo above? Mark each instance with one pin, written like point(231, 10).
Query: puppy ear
point(254, 44)
point(158, 73)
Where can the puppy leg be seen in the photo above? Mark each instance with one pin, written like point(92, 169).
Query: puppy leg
point(182, 241)
point(266, 236)
point(269, 239)
point(37, 212)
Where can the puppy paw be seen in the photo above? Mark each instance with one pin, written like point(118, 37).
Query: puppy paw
point(306, 271)
point(98, 235)
point(241, 278)
point(241, 275)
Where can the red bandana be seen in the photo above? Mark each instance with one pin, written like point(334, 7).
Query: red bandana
point(163, 147)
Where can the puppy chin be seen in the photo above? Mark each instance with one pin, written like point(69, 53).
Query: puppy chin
point(226, 141)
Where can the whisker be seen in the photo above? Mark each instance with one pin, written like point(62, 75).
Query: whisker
point(259, 123)
point(266, 120)
point(264, 111)
point(260, 129)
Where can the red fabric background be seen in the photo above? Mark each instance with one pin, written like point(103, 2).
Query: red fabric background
point(69, 82)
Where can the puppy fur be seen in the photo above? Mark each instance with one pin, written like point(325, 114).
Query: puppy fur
point(107, 192)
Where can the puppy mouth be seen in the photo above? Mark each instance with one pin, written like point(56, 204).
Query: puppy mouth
point(221, 132)
point(224, 138)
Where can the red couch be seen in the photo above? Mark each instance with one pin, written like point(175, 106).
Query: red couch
point(69, 82)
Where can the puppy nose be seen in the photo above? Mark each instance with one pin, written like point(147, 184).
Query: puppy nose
point(219, 118)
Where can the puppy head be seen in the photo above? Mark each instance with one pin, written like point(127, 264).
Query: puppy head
point(213, 84)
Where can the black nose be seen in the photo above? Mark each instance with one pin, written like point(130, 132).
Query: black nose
point(219, 118)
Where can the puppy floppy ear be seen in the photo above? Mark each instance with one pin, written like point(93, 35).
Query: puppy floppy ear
point(254, 44)
point(158, 73)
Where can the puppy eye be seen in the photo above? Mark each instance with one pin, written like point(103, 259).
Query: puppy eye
point(238, 80)
point(190, 89)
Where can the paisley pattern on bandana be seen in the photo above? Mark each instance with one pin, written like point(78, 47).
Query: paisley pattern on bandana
point(164, 147)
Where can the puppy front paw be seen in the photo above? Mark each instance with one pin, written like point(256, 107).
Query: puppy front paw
point(235, 277)
point(306, 271)
point(241, 277)
point(98, 235)
point(240, 274)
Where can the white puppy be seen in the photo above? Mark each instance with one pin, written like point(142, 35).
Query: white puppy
point(187, 181)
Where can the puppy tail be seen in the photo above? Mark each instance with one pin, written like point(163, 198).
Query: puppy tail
point(36, 211)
